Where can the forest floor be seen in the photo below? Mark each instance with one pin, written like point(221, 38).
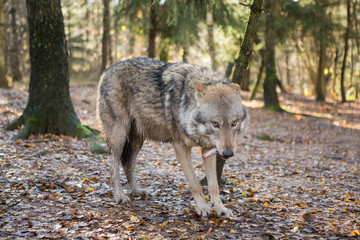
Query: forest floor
point(294, 176)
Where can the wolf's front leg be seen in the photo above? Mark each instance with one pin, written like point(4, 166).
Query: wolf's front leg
point(210, 170)
point(183, 154)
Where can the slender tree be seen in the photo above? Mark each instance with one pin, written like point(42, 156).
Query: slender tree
point(49, 108)
point(271, 100)
point(14, 46)
point(356, 26)
point(3, 80)
point(106, 31)
point(241, 63)
point(152, 30)
point(336, 59)
point(245, 83)
point(320, 86)
point(259, 76)
point(210, 37)
point(346, 49)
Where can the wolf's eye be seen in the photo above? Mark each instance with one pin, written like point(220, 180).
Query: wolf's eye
point(215, 124)
point(234, 123)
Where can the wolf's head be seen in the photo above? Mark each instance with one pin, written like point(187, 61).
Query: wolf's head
point(219, 116)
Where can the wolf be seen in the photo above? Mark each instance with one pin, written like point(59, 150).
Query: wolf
point(180, 103)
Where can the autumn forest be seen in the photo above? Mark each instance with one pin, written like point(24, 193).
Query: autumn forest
point(296, 170)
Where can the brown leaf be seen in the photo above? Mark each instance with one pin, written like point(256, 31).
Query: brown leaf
point(308, 217)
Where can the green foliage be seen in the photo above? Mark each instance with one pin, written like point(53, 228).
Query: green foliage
point(136, 13)
point(180, 21)
point(312, 18)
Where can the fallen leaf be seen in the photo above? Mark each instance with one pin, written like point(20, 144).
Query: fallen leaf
point(308, 217)
point(134, 219)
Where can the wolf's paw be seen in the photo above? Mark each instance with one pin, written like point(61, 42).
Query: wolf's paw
point(121, 198)
point(203, 210)
point(223, 211)
point(140, 192)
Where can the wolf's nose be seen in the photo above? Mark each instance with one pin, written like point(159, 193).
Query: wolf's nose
point(228, 153)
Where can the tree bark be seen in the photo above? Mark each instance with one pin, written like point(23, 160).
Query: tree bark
point(3, 81)
point(356, 25)
point(346, 49)
point(105, 37)
point(241, 63)
point(336, 59)
point(288, 81)
point(245, 84)
point(110, 37)
point(259, 76)
point(110, 44)
point(185, 52)
point(152, 31)
point(229, 69)
point(14, 49)
point(271, 100)
point(211, 43)
point(320, 86)
point(49, 108)
point(69, 28)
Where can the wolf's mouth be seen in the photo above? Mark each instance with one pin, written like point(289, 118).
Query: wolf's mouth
point(226, 154)
point(209, 153)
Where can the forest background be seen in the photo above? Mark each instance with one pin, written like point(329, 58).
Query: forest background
point(317, 42)
point(296, 171)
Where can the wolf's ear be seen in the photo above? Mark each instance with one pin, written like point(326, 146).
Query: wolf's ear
point(199, 87)
point(235, 86)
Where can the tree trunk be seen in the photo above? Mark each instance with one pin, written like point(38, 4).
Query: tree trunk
point(185, 52)
point(241, 63)
point(152, 31)
point(69, 28)
point(229, 69)
point(3, 81)
point(356, 25)
point(271, 100)
point(320, 86)
point(336, 59)
point(110, 37)
point(211, 43)
point(245, 83)
point(259, 77)
point(105, 37)
point(288, 81)
point(49, 108)
point(14, 49)
point(346, 49)
point(116, 40)
point(110, 43)
point(352, 63)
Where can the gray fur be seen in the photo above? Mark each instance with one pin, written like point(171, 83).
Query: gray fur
point(142, 98)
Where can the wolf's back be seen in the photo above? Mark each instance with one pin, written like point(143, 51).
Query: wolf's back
point(154, 93)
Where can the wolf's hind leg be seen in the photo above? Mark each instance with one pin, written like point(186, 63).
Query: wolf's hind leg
point(119, 133)
point(129, 156)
